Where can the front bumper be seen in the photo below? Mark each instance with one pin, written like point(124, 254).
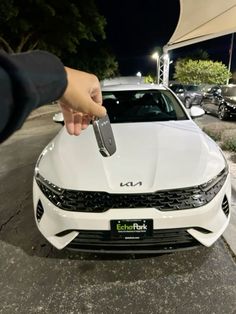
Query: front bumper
point(188, 228)
point(231, 111)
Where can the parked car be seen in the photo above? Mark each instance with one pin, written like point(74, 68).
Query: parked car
point(167, 187)
point(220, 101)
point(189, 94)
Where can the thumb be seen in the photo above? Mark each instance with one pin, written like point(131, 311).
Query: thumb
point(96, 110)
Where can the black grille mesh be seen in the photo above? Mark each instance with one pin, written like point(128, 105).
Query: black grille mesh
point(225, 206)
point(167, 200)
point(162, 240)
point(39, 211)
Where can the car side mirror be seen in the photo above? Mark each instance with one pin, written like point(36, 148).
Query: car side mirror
point(58, 118)
point(196, 112)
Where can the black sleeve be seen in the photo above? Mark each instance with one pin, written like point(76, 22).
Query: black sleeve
point(27, 81)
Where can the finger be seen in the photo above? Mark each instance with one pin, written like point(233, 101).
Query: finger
point(68, 119)
point(94, 109)
point(85, 121)
point(77, 123)
point(96, 95)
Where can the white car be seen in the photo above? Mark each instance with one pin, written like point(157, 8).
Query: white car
point(167, 187)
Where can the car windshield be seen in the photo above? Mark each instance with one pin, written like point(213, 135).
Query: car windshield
point(229, 91)
point(142, 106)
point(176, 88)
point(192, 88)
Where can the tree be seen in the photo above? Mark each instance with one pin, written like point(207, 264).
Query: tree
point(70, 28)
point(197, 54)
point(96, 58)
point(149, 79)
point(201, 72)
point(53, 25)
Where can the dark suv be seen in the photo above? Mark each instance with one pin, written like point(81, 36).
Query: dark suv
point(188, 94)
point(220, 101)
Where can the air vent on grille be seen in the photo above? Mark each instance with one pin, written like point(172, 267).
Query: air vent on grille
point(39, 211)
point(165, 200)
point(162, 241)
point(225, 206)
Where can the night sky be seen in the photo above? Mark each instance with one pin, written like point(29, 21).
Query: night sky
point(136, 27)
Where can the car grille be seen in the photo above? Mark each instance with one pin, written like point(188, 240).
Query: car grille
point(166, 200)
point(39, 211)
point(162, 241)
point(225, 206)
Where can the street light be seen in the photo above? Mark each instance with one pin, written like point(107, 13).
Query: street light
point(139, 74)
point(155, 56)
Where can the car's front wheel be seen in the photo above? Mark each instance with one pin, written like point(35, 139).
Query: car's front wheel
point(222, 113)
point(187, 102)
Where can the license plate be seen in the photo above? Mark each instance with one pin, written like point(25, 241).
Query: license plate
point(131, 229)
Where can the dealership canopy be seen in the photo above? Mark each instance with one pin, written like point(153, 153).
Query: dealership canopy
point(202, 20)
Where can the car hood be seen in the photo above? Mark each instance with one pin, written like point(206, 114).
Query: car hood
point(231, 100)
point(194, 93)
point(150, 156)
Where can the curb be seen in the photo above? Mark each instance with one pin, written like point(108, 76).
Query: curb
point(230, 233)
point(44, 110)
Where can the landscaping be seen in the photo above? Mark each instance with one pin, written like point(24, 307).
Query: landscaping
point(224, 133)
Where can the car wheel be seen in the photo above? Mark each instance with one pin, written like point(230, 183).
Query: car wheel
point(187, 103)
point(222, 114)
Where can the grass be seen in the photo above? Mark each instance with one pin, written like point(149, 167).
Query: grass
point(224, 133)
point(228, 140)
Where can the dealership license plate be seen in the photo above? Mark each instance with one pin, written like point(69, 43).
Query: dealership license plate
point(131, 229)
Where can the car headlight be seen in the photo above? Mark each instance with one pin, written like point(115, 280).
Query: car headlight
point(165, 200)
point(210, 189)
point(231, 105)
point(50, 190)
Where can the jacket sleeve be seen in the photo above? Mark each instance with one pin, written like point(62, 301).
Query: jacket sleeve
point(27, 81)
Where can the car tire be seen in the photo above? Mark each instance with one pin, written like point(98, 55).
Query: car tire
point(187, 103)
point(222, 114)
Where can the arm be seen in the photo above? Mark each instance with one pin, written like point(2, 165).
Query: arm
point(29, 80)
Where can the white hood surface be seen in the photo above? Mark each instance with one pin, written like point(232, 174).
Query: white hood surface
point(160, 155)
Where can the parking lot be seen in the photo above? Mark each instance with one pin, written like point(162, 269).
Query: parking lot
point(35, 278)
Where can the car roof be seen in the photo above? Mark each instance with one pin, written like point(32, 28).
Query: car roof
point(229, 85)
point(132, 87)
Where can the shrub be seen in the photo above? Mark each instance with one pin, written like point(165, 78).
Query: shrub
point(201, 72)
point(228, 140)
point(216, 130)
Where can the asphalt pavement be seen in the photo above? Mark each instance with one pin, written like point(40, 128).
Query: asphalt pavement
point(36, 278)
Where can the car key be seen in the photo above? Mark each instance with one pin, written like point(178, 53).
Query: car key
point(104, 136)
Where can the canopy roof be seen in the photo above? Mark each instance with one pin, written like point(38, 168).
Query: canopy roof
point(202, 20)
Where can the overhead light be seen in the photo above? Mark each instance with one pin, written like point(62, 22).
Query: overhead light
point(155, 55)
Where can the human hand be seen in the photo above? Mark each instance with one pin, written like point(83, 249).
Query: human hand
point(81, 101)
point(74, 121)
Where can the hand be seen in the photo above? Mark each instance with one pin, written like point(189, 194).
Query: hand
point(75, 121)
point(81, 101)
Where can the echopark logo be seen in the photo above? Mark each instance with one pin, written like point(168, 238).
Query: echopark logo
point(131, 184)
